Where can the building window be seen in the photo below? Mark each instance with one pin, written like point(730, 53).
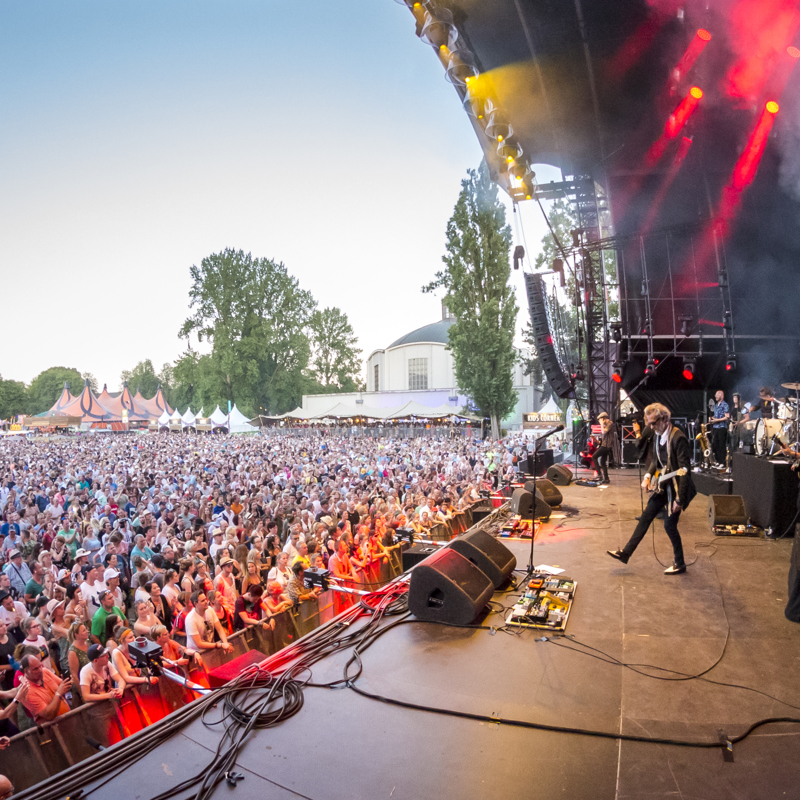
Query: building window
point(417, 373)
point(377, 386)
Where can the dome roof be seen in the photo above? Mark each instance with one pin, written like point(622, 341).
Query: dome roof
point(435, 332)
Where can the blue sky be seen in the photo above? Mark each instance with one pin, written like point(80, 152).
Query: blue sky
point(138, 137)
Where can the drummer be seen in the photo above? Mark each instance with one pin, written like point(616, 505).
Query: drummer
point(765, 404)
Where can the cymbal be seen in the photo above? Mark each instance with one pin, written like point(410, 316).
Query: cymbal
point(795, 387)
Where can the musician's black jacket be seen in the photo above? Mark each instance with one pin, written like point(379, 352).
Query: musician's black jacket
point(679, 456)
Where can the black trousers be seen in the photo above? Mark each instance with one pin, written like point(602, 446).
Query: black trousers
point(654, 505)
point(719, 444)
point(793, 606)
point(600, 459)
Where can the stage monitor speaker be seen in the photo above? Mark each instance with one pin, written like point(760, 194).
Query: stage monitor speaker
point(487, 553)
point(539, 462)
point(560, 475)
point(549, 491)
point(726, 509)
point(542, 508)
point(419, 552)
point(522, 503)
point(448, 587)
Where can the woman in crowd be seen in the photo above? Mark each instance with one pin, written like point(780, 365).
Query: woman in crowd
point(124, 662)
point(224, 615)
point(145, 618)
point(77, 656)
point(281, 572)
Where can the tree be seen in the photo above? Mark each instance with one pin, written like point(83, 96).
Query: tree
point(256, 316)
point(476, 281)
point(13, 398)
point(336, 361)
point(47, 386)
point(142, 377)
point(87, 376)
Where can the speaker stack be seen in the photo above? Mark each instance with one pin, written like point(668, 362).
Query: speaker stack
point(454, 584)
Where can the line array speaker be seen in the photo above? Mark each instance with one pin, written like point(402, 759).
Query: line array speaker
point(539, 307)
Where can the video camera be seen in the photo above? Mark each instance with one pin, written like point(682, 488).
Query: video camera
point(147, 655)
point(317, 577)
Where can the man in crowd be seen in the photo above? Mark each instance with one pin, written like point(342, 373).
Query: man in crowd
point(45, 691)
point(201, 625)
point(18, 572)
point(108, 608)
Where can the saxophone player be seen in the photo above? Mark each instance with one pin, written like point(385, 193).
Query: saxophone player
point(719, 428)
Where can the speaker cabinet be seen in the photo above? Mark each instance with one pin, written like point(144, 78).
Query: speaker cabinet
point(550, 493)
point(448, 587)
point(539, 462)
point(487, 553)
point(726, 509)
point(417, 553)
point(542, 508)
point(560, 475)
point(522, 503)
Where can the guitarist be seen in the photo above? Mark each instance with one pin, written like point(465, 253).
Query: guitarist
point(792, 611)
point(671, 452)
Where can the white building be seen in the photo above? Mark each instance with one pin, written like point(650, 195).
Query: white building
point(418, 366)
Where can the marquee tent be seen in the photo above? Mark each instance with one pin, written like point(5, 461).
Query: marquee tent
point(239, 423)
point(155, 406)
point(218, 419)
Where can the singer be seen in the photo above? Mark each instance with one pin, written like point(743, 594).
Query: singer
point(609, 447)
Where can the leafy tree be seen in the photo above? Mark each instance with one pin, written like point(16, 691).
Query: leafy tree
point(142, 377)
point(476, 280)
point(336, 361)
point(13, 398)
point(46, 387)
point(87, 376)
point(256, 317)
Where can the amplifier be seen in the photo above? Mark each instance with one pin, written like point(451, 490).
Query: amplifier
point(417, 553)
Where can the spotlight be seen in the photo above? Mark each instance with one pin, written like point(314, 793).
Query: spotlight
point(497, 128)
point(438, 30)
point(509, 150)
point(616, 375)
point(773, 107)
point(704, 35)
point(558, 266)
point(519, 254)
point(688, 369)
point(730, 364)
point(792, 52)
point(616, 331)
point(696, 92)
point(578, 374)
point(685, 323)
point(461, 69)
point(650, 368)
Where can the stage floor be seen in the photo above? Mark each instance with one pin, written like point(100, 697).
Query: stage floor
point(341, 745)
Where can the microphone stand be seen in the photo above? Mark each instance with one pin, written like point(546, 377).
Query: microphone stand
point(535, 469)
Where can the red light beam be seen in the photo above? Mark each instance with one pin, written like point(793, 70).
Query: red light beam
point(691, 54)
point(675, 124)
point(655, 206)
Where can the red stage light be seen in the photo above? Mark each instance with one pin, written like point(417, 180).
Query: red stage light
point(616, 377)
point(793, 52)
point(704, 35)
point(729, 366)
point(696, 92)
point(688, 374)
point(773, 107)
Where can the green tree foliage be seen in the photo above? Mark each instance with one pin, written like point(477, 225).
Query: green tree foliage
point(255, 316)
point(142, 377)
point(47, 386)
point(335, 356)
point(476, 281)
point(13, 399)
point(87, 376)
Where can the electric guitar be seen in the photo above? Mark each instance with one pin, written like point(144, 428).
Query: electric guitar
point(660, 479)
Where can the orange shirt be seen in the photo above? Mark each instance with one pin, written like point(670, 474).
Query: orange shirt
point(39, 697)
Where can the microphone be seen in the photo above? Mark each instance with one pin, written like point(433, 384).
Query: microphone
point(557, 429)
point(94, 743)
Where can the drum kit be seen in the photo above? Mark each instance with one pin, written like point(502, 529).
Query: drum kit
point(769, 435)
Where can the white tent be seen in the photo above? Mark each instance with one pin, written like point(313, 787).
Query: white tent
point(163, 420)
point(239, 423)
point(188, 420)
point(218, 419)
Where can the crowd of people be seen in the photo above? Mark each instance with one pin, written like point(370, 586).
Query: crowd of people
point(186, 540)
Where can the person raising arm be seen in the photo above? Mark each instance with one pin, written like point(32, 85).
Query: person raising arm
point(201, 622)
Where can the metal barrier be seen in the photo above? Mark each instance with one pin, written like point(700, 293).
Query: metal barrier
point(53, 746)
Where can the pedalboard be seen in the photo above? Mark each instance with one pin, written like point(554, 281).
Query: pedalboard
point(545, 604)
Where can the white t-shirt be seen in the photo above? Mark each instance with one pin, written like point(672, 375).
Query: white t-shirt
point(201, 627)
point(89, 594)
point(9, 617)
point(99, 683)
point(282, 577)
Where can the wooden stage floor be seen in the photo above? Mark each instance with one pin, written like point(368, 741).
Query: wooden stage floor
point(341, 745)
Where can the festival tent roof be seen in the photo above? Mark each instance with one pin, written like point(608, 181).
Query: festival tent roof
point(345, 410)
point(550, 407)
point(239, 423)
point(88, 408)
point(218, 419)
point(163, 420)
point(122, 402)
point(65, 399)
point(188, 418)
point(414, 409)
point(154, 407)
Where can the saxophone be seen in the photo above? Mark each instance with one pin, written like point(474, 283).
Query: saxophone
point(701, 437)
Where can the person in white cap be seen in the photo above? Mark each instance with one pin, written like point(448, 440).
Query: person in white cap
point(111, 580)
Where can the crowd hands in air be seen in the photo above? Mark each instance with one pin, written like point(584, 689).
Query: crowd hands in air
point(186, 540)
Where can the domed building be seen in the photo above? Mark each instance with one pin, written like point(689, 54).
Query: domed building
point(417, 367)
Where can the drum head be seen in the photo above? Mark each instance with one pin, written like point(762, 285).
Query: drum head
point(765, 430)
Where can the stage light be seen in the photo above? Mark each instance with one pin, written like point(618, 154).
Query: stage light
point(509, 150)
point(704, 35)
point(578, 374)
point(616, 331)
point(498, 128)
point(650, 368)
point(773, 107)
point(793, 52)
point(461, 68)
point(616, 375)
point(730, 365)
point(696, 92)
point(519, 254)
point(688, 370)
point(438, 30)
